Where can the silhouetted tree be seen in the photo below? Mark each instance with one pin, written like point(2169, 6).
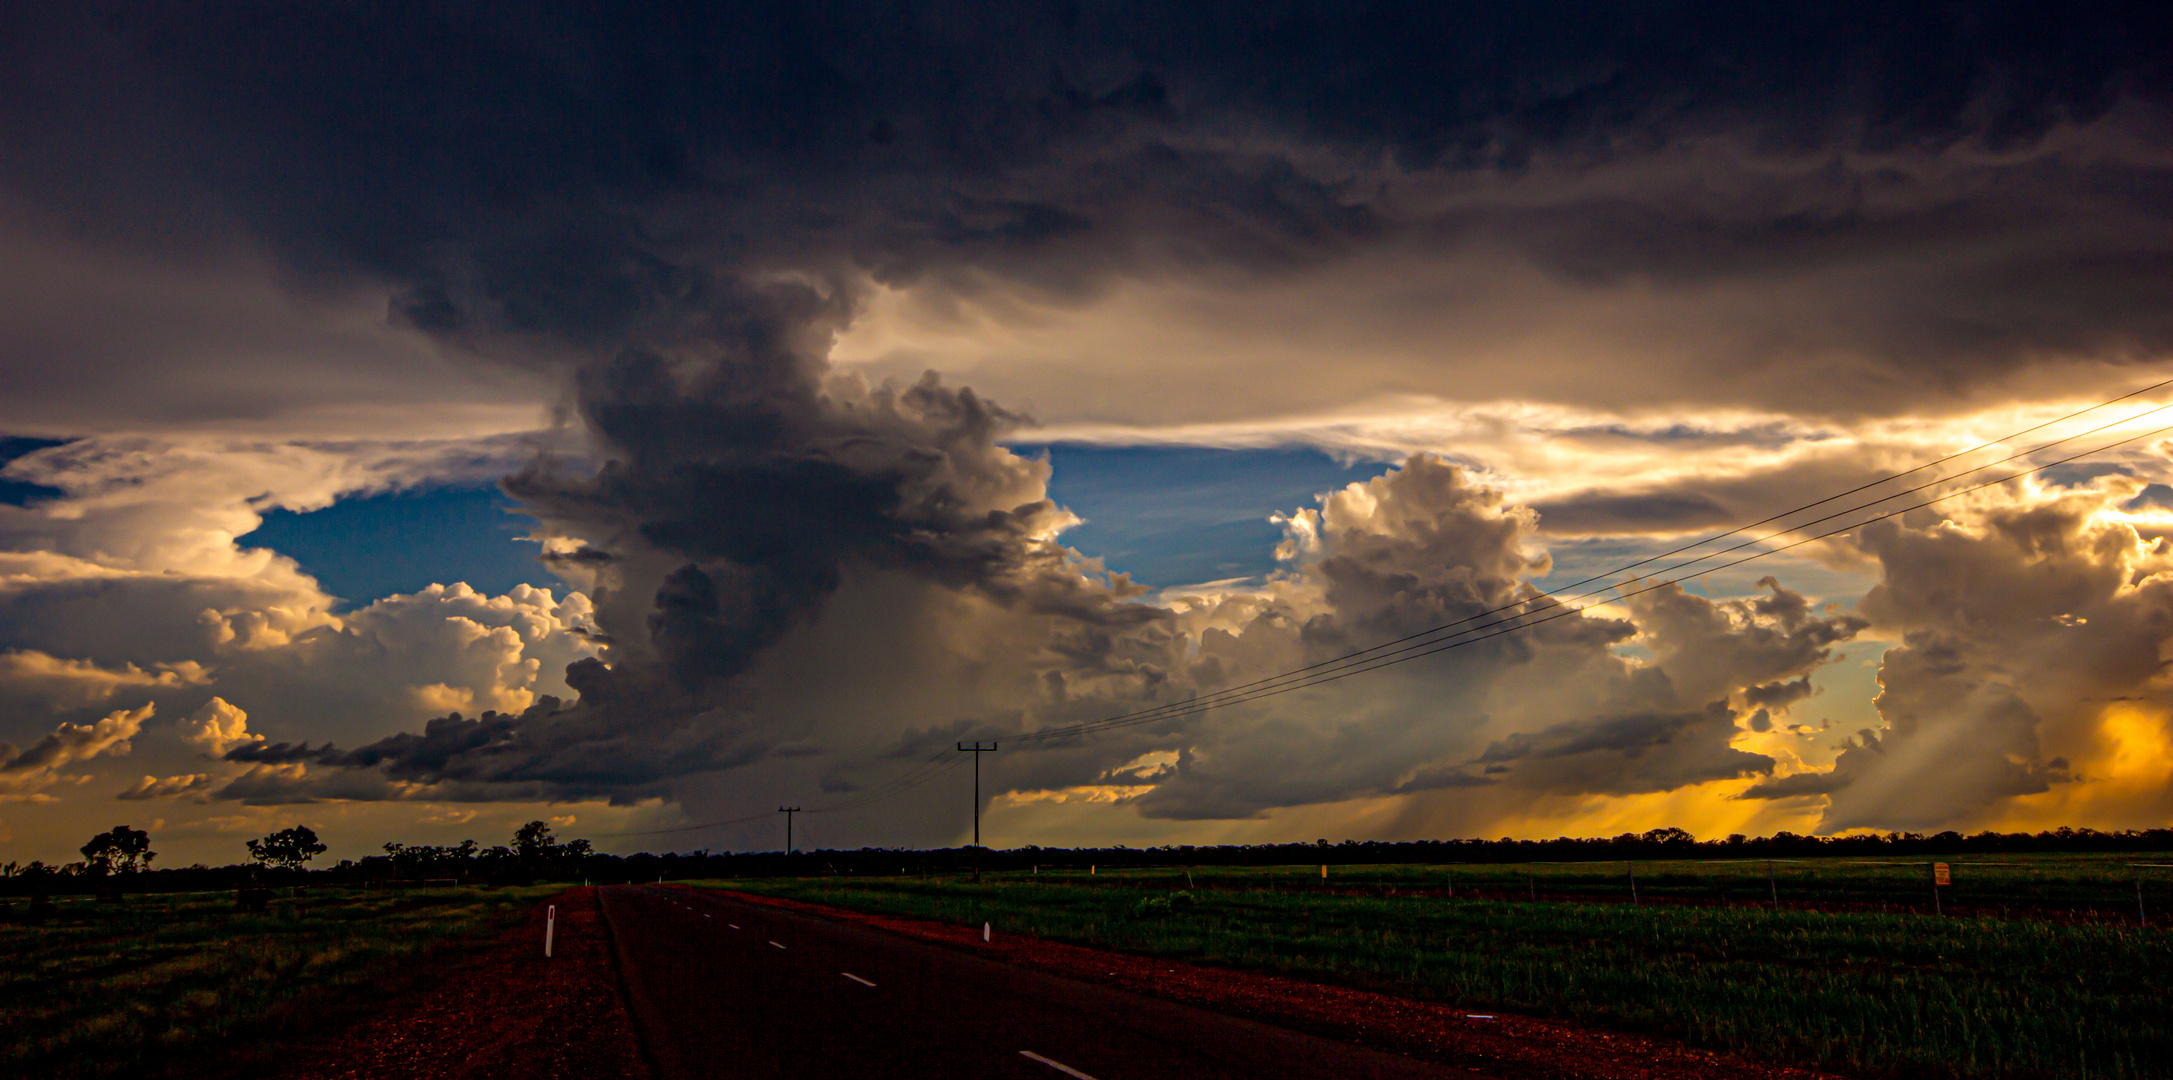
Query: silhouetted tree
point(287, 848)
point(531, 842)
point(541, 853)
point(122, 851)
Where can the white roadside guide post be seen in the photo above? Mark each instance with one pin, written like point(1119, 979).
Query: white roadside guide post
point(550, 928)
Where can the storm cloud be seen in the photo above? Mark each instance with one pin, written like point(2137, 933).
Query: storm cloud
point(545, 185)
point(788, 278)
point(2033, 629)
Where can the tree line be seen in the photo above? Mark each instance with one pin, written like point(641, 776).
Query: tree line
point(121, 857)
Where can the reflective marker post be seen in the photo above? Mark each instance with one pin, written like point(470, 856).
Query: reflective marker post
point(550, 928)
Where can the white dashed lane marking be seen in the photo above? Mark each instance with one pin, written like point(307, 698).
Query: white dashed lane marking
point(1057, 1065)
point(775, 945)
point(856, 978)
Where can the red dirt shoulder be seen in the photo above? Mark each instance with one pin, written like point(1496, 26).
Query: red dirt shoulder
point(1507, 1046)
point(504, 1011)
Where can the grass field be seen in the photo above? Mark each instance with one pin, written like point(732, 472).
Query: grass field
point(132, 988)
point(1873, 992)
point(2061, 886)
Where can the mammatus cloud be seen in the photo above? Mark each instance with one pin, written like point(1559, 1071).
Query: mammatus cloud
point(26, 774)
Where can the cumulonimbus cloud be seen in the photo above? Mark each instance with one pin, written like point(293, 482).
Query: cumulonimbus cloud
point(2026, 622)
point(1797, 212)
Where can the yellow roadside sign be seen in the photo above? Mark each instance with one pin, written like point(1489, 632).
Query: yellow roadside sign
point(1940, 875)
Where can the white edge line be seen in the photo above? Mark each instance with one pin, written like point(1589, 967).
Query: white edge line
point(1057, 1065)
point(733, 925)
point(776, 945)
point(856, 978)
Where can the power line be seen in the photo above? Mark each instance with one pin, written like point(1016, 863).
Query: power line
point(1366, 655)
point(920, 774)
point(681, 828)
point(1506, 626)
point(1417, 645)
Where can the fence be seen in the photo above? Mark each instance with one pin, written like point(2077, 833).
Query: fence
point(2084, 887)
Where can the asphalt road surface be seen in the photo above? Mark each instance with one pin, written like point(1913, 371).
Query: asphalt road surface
point(733, 990)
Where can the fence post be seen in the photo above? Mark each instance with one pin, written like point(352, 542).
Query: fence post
point(1773, 887)
point(2141, 916)
point(1633, 882)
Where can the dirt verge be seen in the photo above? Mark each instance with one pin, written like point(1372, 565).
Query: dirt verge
point(1502, 1045)
point(504, 1012)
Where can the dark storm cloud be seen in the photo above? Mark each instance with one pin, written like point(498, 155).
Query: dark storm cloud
point(767, 483)
point(1778, 695)
point(1625, 755)
point(583, 172)
point(683, 204)
point(549, 751)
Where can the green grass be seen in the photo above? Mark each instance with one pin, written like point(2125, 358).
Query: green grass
point(2078, 886)
point(105, 989)
point(1880, 993)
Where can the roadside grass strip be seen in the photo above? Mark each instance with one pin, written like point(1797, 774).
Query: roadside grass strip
point(131, 988)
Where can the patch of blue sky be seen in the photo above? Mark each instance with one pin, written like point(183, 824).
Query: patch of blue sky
point(1183, 515)
point(366, 548)
point(23, 492)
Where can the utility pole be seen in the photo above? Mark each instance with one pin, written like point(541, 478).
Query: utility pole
point(977, 750)
point(788, 811)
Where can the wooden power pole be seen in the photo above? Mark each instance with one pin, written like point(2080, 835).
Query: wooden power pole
point(977, 750)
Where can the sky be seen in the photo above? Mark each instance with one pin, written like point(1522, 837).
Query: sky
point(421, 419)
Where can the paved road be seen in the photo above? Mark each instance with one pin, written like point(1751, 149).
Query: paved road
point(733, 990)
